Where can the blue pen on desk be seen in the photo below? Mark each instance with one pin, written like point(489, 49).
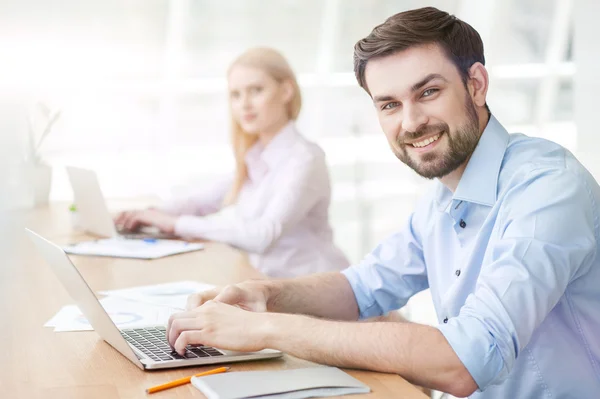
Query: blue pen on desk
point(150, 240)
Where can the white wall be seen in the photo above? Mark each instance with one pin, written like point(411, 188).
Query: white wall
point(587, 84)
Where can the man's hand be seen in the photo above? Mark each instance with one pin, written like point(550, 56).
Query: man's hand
point(249, 295)
point(326, 295)
point(417, 352)
point(220, 325)
point(133, 220)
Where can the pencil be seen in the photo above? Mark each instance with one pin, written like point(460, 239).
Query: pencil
point(185, 380)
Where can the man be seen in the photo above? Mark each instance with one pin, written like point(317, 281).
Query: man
point(507, 241)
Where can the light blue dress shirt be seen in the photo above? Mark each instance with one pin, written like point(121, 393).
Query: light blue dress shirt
point(512, 260)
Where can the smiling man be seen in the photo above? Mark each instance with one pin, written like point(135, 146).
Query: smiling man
point(507, 240)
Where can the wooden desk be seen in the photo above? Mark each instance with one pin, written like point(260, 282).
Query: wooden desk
point(36, 362)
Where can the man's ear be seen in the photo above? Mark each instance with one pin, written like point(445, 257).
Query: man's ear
point(478, 83)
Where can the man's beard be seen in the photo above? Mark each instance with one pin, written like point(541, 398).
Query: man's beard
point(461, 145)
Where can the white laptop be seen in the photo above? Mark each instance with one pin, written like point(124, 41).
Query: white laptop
point(92, 211)
point(146, 347)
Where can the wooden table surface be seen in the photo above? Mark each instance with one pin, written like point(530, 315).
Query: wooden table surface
point(36, 362)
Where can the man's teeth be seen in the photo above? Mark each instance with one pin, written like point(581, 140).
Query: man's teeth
point(426, 141)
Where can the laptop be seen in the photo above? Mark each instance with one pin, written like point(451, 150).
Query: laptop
point(146, 347)
point(92, 211)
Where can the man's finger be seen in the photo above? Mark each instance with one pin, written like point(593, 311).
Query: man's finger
point(173, 318)
point(188, 337)
point(231, 295)
point(199, 298)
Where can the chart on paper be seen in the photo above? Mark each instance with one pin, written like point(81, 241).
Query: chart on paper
point(172, 295)
point(124, 313)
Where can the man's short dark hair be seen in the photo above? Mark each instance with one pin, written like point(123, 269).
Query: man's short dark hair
point(461, 43)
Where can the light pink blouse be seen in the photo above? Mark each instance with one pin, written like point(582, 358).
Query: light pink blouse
point(281, 217)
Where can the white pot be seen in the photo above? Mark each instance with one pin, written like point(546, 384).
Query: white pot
point(74, 219)
point(42, 179)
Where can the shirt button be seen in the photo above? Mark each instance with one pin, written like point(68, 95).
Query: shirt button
point(462, 224)
point(445, 320)
point(457, 273)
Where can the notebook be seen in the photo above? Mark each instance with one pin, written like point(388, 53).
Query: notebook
point(130, 248)
point(280, 384)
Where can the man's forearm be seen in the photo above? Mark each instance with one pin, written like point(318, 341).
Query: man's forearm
point(327, 295)
point(417, 352)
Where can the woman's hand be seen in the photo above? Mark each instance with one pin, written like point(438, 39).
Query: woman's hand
point(133, 220)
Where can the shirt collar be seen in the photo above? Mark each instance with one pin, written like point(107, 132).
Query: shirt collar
point(479, 182)
point(259, 157)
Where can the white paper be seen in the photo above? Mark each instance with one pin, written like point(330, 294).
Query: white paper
point(313, 393)
point(281, 384)
point(173, 295)
point(125, 314)
point(132, 248)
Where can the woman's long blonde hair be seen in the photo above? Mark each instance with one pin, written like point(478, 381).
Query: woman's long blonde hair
point(274, 64)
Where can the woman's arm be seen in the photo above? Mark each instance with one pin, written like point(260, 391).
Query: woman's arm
point(300, 185)
point(202, 202)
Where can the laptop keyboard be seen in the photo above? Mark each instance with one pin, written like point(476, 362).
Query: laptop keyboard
point(143, 232)
point(152, 341)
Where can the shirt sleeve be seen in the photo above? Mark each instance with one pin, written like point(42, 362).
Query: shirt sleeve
point(391, 274)
point(546, 240)
point(204, 201)
point(301, 184)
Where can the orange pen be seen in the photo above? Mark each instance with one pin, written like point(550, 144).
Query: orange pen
point(185, 380)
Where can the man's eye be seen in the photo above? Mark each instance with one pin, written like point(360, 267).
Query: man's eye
point(390, 105)
point(429, 92)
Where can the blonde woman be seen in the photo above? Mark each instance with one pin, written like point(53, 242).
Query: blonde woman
point(276, 206)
